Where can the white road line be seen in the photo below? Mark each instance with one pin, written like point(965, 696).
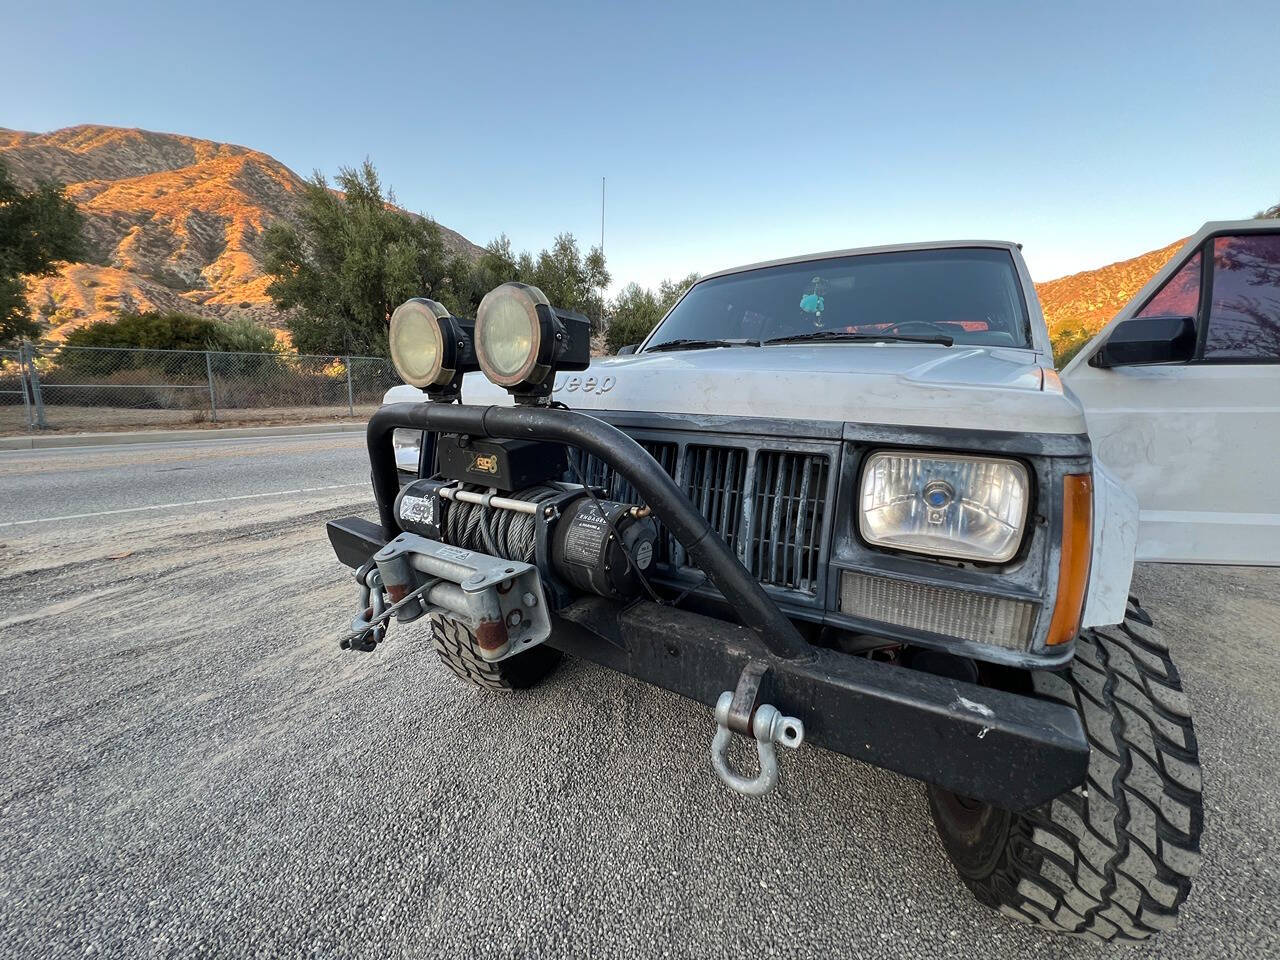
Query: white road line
point(185, 503)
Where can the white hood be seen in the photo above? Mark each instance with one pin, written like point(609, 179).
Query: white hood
point(919, 385)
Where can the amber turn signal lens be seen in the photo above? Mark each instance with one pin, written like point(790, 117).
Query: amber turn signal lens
point(1077, 550)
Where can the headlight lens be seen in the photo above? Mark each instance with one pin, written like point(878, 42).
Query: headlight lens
point(509, 333)
point(417, 343)
point(948, 506)
point(408, 448)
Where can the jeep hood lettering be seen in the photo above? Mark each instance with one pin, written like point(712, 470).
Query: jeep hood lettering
point(892, 383)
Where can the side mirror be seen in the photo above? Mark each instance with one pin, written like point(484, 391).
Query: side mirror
point(628, 349)
point(1148, 340)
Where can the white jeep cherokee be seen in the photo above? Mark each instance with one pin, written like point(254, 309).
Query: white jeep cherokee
point(845, 500)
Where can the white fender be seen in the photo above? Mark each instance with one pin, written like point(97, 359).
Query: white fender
point(1115, 544)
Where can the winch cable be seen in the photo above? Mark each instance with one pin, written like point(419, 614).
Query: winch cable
point(500, 533)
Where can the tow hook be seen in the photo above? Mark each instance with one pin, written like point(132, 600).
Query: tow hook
point(738, 712)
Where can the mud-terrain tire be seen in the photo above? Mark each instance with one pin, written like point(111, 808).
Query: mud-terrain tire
point(1113, 858)
point(455, 643)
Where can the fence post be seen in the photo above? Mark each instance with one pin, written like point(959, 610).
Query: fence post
point(22, 385)
point(351, 396)
point(33, 378)
point(213, 402)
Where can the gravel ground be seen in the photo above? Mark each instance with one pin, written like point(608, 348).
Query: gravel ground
point(194, 768)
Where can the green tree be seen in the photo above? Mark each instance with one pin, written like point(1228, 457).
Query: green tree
point(569, 279)
point(350, 261)
point(636, 310)
point(1271, 213)
point(669, 291)
point(38, 229)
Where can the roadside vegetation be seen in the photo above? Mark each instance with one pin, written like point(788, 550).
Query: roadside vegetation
point(354, 257)
point(39, 229)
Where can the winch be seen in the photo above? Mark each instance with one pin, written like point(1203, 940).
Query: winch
point(497, 557)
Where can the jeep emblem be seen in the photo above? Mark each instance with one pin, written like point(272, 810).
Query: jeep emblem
point(587, 384)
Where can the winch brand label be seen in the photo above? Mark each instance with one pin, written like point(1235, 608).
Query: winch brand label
point(484, 463)
point(418, 510)
point(587, 534)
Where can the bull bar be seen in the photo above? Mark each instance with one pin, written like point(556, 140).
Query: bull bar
point(1004, 748)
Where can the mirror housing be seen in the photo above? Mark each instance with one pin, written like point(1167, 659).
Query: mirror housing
point(1142, 340)
point(630, 348)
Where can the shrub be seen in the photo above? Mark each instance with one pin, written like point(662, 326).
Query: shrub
point(152, 330)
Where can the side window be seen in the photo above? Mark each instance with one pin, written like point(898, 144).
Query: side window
point(1244, 311)
point(1180, 295)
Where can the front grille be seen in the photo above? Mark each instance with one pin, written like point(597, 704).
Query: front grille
point(770, 506)
point(787, 518)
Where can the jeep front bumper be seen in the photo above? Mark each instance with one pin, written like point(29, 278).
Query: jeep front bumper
point(1003, 748)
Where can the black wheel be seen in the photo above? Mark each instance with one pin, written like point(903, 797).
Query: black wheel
point(455, 642)
point(1114, 857)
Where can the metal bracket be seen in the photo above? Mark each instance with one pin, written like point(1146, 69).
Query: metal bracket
point(742, 708)
point(738, 712)
point(369, 627)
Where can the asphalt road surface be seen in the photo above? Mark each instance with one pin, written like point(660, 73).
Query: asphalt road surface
point(192, 767)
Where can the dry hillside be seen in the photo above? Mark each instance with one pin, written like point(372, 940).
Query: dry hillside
point(1087, 300)
point(173, 222)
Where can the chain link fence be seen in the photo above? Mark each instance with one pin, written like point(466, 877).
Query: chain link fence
point(93, 388)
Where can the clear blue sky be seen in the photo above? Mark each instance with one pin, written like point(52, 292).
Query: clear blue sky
point(728, 133)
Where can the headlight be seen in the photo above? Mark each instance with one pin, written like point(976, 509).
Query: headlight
point(429, 347)
point(521, 339)
point(948, 506)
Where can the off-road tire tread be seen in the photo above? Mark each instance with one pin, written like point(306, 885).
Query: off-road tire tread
point(455, 643)
point(1112, 859)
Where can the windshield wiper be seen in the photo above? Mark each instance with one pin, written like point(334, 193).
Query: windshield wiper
point(845, 336)
point(689, 343)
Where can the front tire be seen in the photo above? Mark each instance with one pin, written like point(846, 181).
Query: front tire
point(1114, 857)
point(455, 644)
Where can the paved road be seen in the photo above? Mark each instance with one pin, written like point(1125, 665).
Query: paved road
point(192, 767)
point(40, 484)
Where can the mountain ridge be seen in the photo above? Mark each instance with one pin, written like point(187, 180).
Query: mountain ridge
point(172, 223)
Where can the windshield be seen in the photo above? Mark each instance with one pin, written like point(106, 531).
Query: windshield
point(969, 295)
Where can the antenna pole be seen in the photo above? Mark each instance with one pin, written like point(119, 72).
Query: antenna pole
point(602, 214)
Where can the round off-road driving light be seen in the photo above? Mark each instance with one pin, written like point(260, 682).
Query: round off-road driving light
point(511, 335)
point(521, 340)
point(429, 347)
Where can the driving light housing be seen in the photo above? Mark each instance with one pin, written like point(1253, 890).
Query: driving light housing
point(944, 505)
point(430, 348)
point(521, 340)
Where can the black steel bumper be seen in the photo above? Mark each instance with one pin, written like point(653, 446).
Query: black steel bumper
point(1012, 750)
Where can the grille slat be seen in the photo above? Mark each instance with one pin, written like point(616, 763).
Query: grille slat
point(790, 503)
point(714, 479)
